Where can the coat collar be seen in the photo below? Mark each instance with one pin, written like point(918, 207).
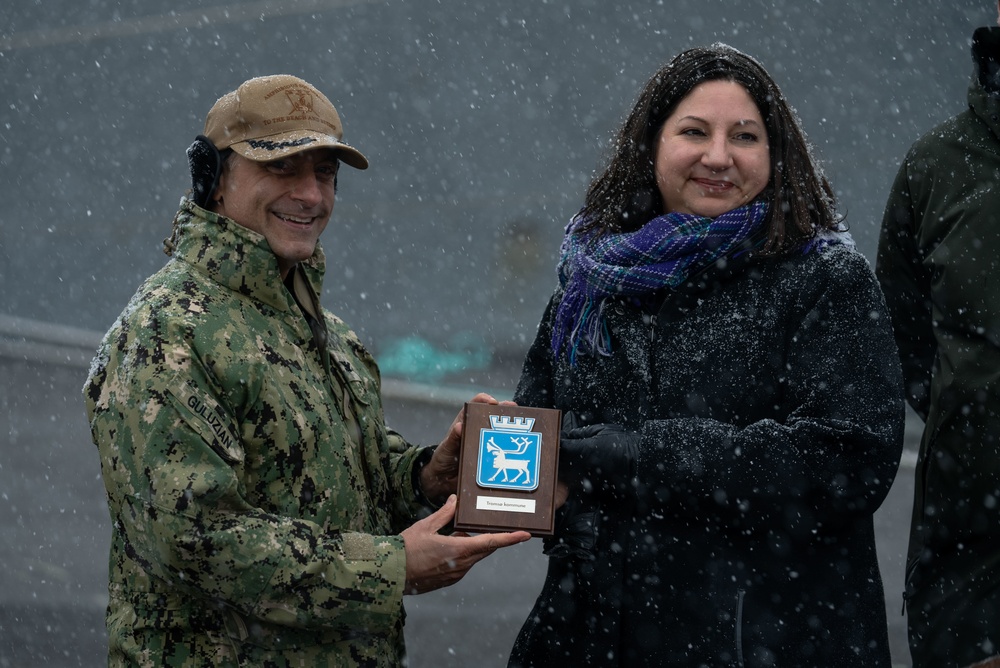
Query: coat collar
point(237, 257)
point(984, 90)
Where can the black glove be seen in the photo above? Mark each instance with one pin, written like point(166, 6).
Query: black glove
point(205, 162)
point(598, 455)
point(577, 524)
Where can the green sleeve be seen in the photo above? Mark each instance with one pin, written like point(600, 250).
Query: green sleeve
point(171, 463)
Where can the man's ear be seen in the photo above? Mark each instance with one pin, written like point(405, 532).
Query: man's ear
point(215, 198)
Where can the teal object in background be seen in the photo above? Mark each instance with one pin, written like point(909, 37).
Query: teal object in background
point(417, 359)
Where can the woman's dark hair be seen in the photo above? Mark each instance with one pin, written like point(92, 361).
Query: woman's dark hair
point(625, 196)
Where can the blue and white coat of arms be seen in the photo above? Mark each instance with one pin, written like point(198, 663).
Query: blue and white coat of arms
point(509, 453)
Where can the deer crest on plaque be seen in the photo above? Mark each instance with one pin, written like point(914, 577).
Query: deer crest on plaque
point(509, 453)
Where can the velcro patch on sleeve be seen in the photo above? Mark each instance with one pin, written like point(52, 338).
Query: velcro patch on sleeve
point(358, 546)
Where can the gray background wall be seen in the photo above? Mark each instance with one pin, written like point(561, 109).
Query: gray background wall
point(483, 121)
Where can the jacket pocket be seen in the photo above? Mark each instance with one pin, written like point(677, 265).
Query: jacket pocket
point(362, 388)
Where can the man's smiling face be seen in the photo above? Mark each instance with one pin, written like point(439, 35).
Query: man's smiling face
point(288, 201)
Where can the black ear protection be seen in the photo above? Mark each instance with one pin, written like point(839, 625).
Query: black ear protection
point(205, 162)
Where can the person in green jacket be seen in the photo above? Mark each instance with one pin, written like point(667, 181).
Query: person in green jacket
point(262, 512)
point(939, 267)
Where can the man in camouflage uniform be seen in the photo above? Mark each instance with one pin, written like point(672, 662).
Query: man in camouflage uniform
point(259, 503)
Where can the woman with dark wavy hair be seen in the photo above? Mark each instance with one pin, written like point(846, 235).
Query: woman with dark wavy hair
point(731, 392)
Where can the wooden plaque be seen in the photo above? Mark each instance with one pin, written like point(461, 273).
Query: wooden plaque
point(508, 469)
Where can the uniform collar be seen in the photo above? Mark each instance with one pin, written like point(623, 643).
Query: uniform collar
point(237, 257)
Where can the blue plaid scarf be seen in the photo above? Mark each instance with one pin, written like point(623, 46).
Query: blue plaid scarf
point(662, 253)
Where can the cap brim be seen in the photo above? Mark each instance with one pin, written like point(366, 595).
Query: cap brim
point(289, 143)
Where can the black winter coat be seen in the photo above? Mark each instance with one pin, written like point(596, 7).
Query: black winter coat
point(939, 264)
point(769, 399)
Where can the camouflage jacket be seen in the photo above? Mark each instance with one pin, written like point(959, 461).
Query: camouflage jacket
point(254, 489)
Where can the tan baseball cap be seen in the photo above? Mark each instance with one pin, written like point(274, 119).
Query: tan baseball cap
point(275, 116)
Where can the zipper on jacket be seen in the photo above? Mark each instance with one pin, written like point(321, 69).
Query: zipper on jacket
point(927, 451)
point(241, 626)
point(911, 567)
point(740, 595)
point(236, 632)
point(651, 388)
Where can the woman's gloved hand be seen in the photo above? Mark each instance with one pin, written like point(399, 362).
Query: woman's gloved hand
point(592, 458)
point(599, 454)
point(576, 528)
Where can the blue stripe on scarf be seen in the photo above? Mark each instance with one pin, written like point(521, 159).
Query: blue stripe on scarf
point(662, 253)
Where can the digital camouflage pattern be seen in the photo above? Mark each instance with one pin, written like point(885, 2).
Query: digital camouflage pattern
point(254, 489)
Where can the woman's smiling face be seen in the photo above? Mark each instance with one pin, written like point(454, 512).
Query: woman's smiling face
point(712, 155)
